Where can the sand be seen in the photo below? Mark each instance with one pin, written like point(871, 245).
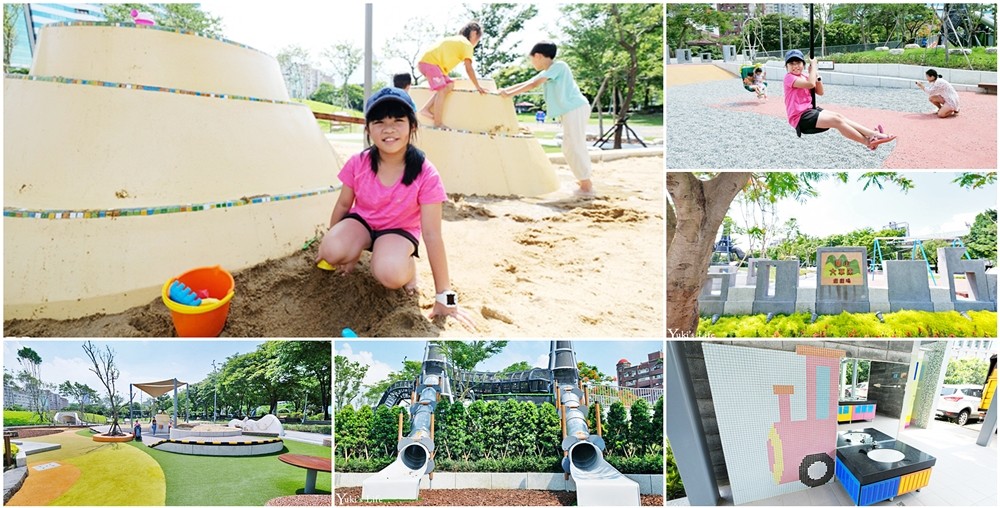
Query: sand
point(555, 266)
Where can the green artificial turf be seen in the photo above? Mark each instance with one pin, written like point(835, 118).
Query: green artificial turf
point(246, 481)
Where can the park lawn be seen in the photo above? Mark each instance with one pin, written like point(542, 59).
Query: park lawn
point(980, 59)
point(91, 474)
point(245, 481)
point(11, 418)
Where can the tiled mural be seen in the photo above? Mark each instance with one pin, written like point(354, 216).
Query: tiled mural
point(777, 416)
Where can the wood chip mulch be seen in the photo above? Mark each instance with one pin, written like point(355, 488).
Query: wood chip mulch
point(301, 500)
point(351, 496)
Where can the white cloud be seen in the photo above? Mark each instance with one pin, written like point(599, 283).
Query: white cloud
point(377, 371)
point(541, 361)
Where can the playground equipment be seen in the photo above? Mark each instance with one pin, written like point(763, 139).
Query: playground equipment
point(483, 150)
point(415, 453)
point(177, 150)
point(801, 450)
point(726, 248)
point(597, 482)
point(914, 244)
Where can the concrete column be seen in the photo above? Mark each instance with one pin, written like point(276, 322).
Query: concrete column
point(934, 366)
point(989, 424)
point(685, 431)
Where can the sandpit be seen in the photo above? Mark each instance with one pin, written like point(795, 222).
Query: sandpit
point(556, 266)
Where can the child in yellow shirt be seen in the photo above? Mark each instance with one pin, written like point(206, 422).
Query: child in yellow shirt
point(438, 61)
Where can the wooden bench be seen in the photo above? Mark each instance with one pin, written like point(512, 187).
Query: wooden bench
point(338, 120)
point(310, 464)
point(990, 88)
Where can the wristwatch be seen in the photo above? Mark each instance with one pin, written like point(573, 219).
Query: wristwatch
point(447, 298)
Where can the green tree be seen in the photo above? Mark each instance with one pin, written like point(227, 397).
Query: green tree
point(30, 379)
point(383, 433)
point(347, 384)
point(616, 47)
point(344, 58)
point(590, 373)
point(616, 432)
point(500, 23)
point(326, 93)
point(11, 14)
point(658, 413)
point(982, 238)
point(181, 16)
point(306, 359)
point(641, 434)
point(685, 21)
point(966, 371)
point(516, 367)
point(549, 432)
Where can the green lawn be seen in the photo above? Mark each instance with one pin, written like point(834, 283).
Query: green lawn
point(12, 418)
point(934, 58)
point(644, 119)
point(245, 481)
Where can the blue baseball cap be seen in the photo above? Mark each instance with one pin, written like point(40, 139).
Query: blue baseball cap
point(794, 54)
point(390, 93)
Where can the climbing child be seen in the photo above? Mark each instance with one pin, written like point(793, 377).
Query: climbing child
point(392, 195)
point(438, 61)
point(809, 120)
point(758, 83)
point(562, 99)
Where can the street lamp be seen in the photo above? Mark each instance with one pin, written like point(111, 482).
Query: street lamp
point(215, 392)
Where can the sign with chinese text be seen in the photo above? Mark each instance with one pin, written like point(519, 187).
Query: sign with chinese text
point(843, 269)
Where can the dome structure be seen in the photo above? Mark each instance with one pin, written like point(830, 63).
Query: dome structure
point(133, 153)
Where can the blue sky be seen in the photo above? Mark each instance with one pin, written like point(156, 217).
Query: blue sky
point(935, 206)
point(138, 361)
point(319, 25)
point(387, 356)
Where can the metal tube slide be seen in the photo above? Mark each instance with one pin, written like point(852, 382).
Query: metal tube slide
point(597, 482)
point(414, 458)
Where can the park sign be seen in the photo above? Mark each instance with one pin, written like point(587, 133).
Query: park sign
point(841, 280)
point(843, 269)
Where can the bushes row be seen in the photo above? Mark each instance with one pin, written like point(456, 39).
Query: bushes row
point(907, 323)
point(980, 59)
point(319, 429)
point(500, 431)
point(642, 464)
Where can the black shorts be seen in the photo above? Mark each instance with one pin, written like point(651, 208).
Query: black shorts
point(807, 122)
point(375, 234)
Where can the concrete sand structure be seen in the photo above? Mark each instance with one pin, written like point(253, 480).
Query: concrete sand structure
point(483, 151)
point(170, 151)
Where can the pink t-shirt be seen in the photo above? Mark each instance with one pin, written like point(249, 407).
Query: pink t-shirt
point(394, 207)
point(797, 100)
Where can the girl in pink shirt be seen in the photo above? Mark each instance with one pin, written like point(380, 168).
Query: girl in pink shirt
point(391, 196)
point(809, 120)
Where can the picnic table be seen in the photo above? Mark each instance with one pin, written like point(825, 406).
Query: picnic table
point(310, 464)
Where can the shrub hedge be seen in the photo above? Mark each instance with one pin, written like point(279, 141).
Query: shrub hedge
point(499, 436)
point(906, 323)
point(931, 58)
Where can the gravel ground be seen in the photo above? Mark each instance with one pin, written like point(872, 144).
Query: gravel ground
point(700, 136)
point(350, 496)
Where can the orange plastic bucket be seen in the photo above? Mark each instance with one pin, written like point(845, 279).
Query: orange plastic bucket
point(203, 320)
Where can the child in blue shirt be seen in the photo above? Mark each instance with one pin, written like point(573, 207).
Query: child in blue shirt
point(562, 99)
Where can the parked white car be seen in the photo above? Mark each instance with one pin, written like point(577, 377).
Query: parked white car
point(959, 403)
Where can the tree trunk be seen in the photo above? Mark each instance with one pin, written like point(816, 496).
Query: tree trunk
point(699, 208)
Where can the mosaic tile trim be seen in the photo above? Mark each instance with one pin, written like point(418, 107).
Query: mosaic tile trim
point(479, 133)
point(145, 88)
point(23, 213)
point(151, 27)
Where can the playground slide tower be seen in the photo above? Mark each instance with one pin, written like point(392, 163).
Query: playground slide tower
point(597, 482)
point(415, 452)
